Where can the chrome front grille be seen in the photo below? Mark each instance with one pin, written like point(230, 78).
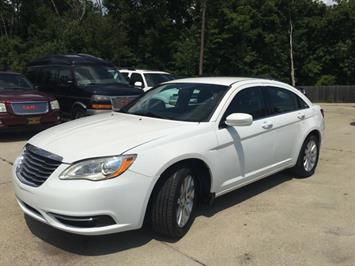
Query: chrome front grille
point(30, 108)
point(36, 165)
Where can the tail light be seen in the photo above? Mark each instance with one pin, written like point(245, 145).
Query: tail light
point(322, 112)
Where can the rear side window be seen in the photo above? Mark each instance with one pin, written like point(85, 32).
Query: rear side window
point(302, 104)
point(282, 100)
point(249, 101)
point(48, 76)
point(64, 75)
point(31, 74)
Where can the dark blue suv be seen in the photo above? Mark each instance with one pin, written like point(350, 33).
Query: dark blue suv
point(83, 84)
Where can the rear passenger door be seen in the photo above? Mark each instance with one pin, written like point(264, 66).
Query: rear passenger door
point(287, 113)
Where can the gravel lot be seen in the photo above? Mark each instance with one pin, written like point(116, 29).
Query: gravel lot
point(279, 220)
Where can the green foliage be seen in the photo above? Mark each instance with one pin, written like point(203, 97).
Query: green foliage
point(326, 80)
point(243, 38)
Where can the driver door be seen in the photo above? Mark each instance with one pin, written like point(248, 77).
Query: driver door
point(245, 153)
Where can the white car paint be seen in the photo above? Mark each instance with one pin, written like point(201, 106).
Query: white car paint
point(142, 72)
point(235, 156)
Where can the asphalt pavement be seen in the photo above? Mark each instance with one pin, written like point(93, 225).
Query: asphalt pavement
point(279, 220)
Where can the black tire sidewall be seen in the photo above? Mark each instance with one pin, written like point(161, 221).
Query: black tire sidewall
point(78, 110)
point(181, 174)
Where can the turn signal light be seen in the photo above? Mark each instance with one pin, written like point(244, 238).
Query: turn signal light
point(101, 106)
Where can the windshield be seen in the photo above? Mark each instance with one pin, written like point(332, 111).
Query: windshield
point(181, 101)
point(98, 74)
point(154, 79)
point(14, 81)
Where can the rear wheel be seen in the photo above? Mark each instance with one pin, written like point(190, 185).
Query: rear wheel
point(174, 205)
point(308, 157)
point(78, 112)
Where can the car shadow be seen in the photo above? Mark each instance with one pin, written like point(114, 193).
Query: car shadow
point(352, 124)
point(16, 136)
point(107, 244)
point(233, 198)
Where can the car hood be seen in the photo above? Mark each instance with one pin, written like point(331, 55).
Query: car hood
point(18, 95)
point(104, 135)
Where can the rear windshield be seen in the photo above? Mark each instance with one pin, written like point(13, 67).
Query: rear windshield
point(14, 81)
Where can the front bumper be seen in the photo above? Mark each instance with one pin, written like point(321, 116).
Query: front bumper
point(124, 199)
point(12, 123)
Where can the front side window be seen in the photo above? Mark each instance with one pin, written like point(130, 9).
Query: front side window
point(154, 79)
point(14, 81)
point(87, 75)
point(125, 74)
point(248, 101)
point(181, 101)
point(135, 77)
point(282, 100)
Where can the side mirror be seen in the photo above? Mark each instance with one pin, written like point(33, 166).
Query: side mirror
point(239, 120)
point(138, 84)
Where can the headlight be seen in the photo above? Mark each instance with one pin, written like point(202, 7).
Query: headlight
point(2, 108)
point(99, 169)
point(55, 105)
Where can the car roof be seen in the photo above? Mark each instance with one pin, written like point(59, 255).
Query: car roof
point(226, 81)
point(69, 59)
point(143, 71)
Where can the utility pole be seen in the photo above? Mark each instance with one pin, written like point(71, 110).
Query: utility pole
point(293, 79)
point(202, 44)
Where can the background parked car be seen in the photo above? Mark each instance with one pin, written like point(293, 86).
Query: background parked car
point(22, 107)
point(146, 79)
point(83, 84)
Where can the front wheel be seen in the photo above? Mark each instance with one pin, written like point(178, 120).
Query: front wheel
point(78, 112)
point(174, 205)
point(308, 158)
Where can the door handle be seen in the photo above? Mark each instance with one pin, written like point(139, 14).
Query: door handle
point(267, 125)
point(301, 116)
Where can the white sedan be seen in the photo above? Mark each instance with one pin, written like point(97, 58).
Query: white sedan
point(157, 158)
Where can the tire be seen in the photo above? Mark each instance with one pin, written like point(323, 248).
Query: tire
point(78, 112)
point(302, 169)
point(169, 202)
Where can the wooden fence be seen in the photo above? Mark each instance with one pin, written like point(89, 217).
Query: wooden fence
point(331, 94)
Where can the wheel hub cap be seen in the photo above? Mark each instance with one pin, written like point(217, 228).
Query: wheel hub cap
point(185, 201)
point(310, 156)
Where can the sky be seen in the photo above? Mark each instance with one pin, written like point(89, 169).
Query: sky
point(328, 2)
